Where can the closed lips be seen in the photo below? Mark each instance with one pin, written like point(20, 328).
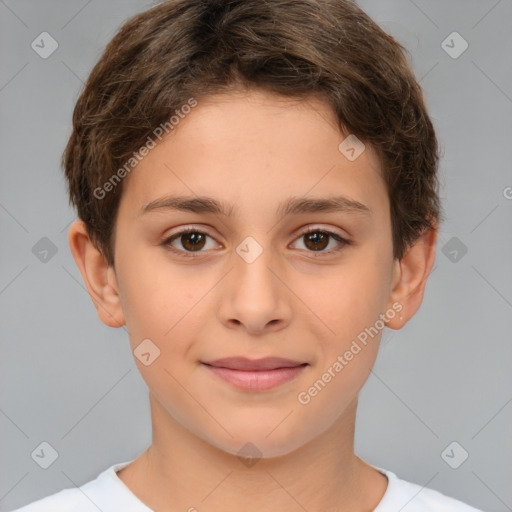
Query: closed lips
point(255, 375)
point(244, 364)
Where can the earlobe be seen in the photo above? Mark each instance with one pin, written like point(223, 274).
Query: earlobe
point(410, 276)
point(98, 276)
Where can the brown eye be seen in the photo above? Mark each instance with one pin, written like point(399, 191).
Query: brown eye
point(317, 240)
point(192, 241)
point(188, 242)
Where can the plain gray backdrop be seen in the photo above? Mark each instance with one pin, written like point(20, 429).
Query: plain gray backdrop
point(441, 388)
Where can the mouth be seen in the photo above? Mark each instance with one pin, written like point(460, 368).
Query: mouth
point(255, 374)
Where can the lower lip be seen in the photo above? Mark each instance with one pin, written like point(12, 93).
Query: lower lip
point(257, 380)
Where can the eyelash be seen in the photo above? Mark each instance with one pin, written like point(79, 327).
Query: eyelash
point(194, 254)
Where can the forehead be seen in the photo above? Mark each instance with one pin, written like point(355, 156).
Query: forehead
point(255, 149)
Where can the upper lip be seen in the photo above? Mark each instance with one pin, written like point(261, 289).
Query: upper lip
point(242, 363)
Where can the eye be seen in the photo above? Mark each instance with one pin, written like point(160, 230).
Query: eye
point(316, 240)
point(192, 241)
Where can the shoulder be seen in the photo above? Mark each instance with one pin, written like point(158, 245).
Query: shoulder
point(106, 493)
point(410, 497)
point(67, 500)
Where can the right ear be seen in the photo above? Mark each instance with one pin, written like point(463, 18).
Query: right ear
point(99, 277)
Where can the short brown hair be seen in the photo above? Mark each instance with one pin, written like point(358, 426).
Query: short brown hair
point(182, 49)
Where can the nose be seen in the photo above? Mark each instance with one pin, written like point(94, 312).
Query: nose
point(253, 296)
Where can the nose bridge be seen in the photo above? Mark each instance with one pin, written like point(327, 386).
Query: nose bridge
point(252, 274)
point(254, 296)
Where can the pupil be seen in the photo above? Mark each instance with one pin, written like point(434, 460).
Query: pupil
point(196, 239)
point(317, 238)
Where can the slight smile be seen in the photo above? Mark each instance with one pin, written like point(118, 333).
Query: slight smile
point(255, 374)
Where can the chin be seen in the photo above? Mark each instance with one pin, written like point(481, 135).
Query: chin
point(255, 442)
point(258, 448)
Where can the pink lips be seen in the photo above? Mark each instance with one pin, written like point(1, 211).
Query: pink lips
point(255, 374)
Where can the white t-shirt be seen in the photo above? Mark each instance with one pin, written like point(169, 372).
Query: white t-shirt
point(108, 493)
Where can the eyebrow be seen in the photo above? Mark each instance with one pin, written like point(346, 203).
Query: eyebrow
point(292, 206)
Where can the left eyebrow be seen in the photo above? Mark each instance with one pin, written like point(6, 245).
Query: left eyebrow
point(292, 206)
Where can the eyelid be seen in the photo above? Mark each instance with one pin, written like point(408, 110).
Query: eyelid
point(319, 227)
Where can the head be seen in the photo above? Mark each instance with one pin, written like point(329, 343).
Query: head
point(235, 119)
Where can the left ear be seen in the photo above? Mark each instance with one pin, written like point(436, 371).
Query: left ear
point(410, 276)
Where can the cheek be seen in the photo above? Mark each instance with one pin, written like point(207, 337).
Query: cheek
point(154, 295)
point(349, 303)
point(351, 297)
point(165, 304)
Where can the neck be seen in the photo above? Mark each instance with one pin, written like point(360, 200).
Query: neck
point(180, 471)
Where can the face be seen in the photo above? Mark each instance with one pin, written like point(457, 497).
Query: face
point(253, 288)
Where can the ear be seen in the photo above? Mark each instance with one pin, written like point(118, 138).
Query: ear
point(410, 276)
point(98, 276)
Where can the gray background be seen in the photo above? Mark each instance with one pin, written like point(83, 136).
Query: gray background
point(70, 381)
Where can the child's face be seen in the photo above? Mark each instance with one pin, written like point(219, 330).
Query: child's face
point(252, 153)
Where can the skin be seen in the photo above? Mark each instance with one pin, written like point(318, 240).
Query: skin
point(253, 150)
